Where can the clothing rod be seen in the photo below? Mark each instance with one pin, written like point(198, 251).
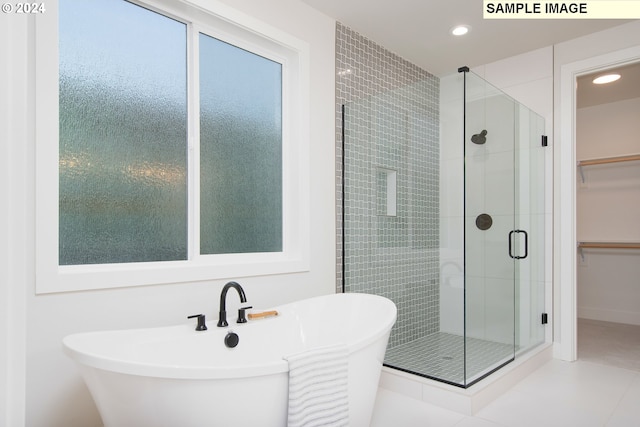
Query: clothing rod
point(629, 158)
point(609, 245)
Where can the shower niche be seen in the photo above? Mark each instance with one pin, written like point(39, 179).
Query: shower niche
point(443, 213)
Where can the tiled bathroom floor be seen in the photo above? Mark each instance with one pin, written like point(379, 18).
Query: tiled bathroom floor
point(607, 343)
point(562, 394)
point(601, 389)
point(441, 356)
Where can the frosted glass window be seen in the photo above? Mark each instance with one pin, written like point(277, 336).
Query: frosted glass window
point(123, 134)
point(240, 150)
point(162, 152)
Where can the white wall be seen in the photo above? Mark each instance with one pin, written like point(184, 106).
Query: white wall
point(607, 209)
point(55, 395)
point(14, 93)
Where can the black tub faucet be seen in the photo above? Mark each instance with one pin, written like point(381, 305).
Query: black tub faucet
point(222, 317)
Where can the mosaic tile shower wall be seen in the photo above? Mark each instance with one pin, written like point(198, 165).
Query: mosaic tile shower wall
point(391, 177)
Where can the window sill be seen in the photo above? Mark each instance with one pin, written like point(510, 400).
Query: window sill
point(107, 276)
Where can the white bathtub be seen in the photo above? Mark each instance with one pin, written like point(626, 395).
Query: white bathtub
point(178, 377)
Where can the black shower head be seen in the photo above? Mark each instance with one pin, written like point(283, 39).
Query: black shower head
point(479, 138)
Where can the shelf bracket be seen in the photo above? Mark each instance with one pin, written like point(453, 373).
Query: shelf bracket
point(581, 172)
point(581, 252)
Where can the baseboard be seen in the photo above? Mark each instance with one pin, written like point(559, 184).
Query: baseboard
point(615, 316)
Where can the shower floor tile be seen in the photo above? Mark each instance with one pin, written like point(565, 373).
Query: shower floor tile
point(441, 356)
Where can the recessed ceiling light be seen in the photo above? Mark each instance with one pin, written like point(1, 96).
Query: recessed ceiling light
point(607, 78)
point(460, 30)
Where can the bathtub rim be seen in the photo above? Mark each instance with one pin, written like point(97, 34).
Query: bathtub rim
point(71, 344)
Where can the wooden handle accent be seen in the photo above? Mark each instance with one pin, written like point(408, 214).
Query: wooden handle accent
point(263, 314)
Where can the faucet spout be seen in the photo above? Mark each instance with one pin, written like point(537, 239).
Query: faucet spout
point(222, 317)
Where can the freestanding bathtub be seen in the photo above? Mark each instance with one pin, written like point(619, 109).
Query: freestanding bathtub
point(178, 377)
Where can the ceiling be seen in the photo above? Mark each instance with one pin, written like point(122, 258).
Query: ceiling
point(419, 30)
point(589, 94)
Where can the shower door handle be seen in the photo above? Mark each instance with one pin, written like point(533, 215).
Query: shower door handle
point(526, 244)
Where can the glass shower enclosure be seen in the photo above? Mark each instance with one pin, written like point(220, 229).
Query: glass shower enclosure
point(443, 213)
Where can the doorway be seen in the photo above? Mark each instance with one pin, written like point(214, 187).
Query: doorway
point(607, 208)
point(565, 239)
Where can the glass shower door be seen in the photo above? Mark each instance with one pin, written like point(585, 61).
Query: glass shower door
point(492, 242)
point(530, 216)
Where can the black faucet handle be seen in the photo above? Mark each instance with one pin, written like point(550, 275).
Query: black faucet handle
point(241, 314)
point(201, 322)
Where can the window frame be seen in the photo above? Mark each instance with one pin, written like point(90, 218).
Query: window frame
point(229, 25)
